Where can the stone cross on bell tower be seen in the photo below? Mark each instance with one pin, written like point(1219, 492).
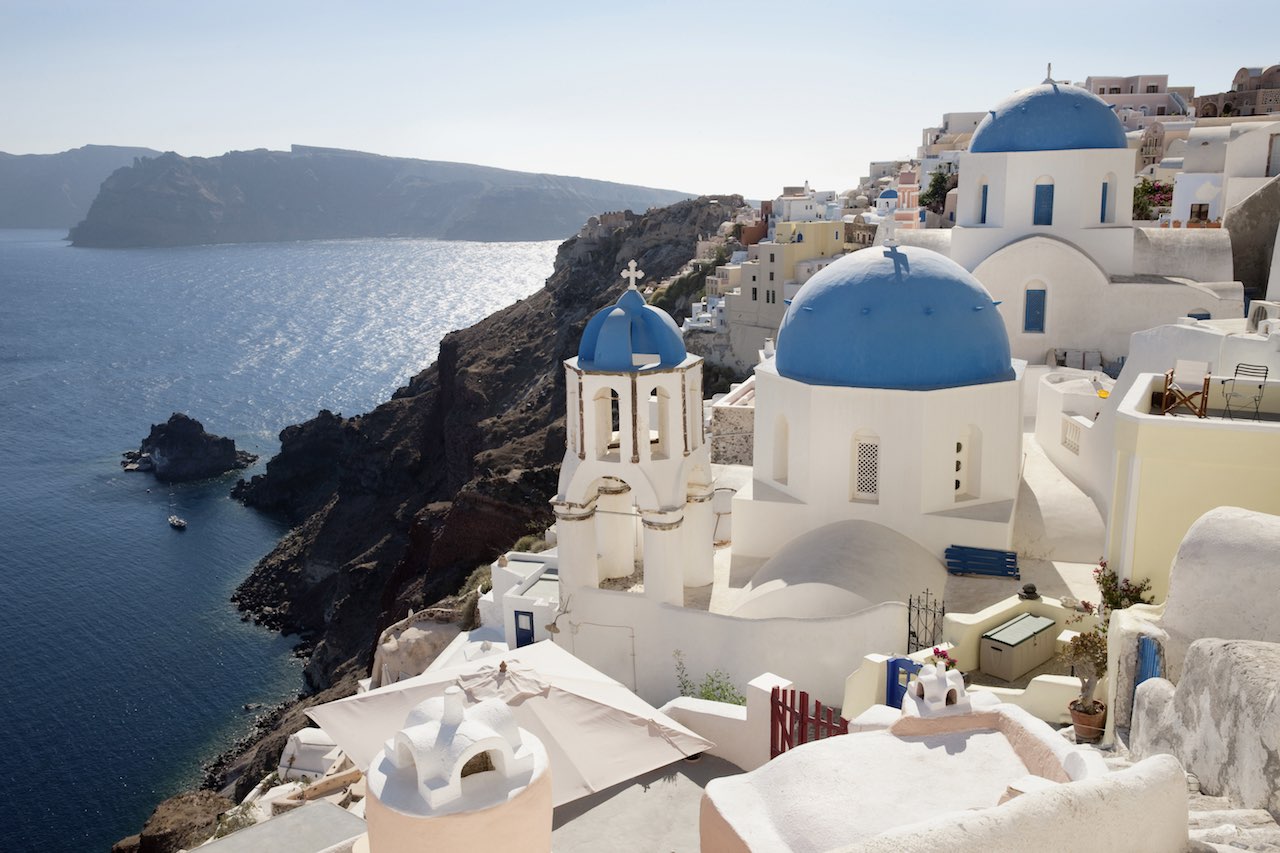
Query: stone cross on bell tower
point(632, 274)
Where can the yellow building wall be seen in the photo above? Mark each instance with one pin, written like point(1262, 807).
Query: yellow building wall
point(1185, 469)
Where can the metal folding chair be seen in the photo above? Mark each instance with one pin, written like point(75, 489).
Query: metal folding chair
point(1245, 389)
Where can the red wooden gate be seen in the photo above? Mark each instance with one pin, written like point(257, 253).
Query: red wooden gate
point(792, 724)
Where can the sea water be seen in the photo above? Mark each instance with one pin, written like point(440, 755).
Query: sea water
point(123, 665)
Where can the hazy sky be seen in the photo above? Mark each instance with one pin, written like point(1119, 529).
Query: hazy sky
point(704, 97)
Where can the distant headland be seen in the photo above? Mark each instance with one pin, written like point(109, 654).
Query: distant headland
point(324, 193)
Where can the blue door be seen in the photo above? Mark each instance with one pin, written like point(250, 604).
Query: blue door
point(898, 672)
point(1033, 318)
point(524, 628)
point(1044, 205)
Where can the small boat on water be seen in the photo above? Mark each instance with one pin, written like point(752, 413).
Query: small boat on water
point(177, 523)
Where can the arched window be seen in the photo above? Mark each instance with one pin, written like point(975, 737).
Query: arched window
point(606, 424)
point(1107, 213)
point(864, 476)
point(1042, 213)
point(781, 450)
point(967, 473)
point(659, 431)
point(1034, 305)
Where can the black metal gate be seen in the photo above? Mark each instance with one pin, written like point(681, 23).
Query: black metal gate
point(924, 621)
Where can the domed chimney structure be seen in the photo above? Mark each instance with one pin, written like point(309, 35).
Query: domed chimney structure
point(457, 779)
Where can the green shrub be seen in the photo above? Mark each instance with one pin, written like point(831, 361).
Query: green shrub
point(715, 686)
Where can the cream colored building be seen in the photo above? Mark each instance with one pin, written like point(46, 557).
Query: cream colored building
point(771, 275)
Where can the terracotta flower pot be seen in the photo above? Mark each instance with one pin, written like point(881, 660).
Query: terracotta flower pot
point(1088, 726)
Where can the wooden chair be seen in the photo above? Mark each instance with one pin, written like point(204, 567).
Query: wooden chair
point(1245, 388)
point(1186, 386)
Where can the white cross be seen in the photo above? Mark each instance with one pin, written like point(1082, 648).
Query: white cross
point(633, 274)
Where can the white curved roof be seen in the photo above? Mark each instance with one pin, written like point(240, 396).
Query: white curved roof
point(840, 569)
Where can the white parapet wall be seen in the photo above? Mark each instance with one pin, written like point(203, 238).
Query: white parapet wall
point(1151, 794)
point(740, 732)
point(632, 638)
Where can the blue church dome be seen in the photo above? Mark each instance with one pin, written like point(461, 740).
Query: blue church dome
point(1048, 117)
point(616, 335)
point(904, 318)
point(889, 194)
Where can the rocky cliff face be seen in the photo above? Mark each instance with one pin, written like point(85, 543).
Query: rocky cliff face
point(316, 193)
point(395, 507)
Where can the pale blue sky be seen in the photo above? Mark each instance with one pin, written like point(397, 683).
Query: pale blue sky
point(704, 97)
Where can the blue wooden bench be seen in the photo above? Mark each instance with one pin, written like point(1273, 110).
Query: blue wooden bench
point(963, 560)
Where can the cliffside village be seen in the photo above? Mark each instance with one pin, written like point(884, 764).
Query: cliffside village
point(981, 555)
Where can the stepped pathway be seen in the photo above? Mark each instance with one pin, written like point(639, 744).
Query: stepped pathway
point(1214, 825)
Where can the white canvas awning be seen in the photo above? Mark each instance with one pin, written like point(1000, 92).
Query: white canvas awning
point(597, 733)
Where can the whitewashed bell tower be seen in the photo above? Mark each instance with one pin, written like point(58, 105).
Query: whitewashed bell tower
point(636, 478)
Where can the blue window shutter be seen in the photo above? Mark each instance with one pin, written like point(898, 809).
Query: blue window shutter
point(1044, 205)
point(1033, 318)
point(1102, 217)
point(982, 217)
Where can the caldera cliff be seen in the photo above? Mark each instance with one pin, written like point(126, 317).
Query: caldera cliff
point(311, 193)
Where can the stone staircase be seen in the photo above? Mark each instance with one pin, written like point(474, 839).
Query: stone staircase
point(1214, 825)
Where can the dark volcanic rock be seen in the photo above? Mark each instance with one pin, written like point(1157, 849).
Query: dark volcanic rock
point(178, 823)
point(395, 507)
point(180, 450)
point(319, 193)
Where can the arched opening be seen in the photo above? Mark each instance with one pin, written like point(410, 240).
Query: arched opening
point(482, 762)
point(864, 476)
point(659, 429)
point(781, 449)
point(1107, 213)
point(1034, 305)
point(967, 473)
point(1042, 211)
point(607, 418)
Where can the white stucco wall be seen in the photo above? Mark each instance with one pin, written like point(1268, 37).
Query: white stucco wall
point(917, 432)
point(1077, 177)
point(1084, 309)
point(631, 638)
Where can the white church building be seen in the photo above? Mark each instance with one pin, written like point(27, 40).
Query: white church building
point(1045, 221)
point(889, 428)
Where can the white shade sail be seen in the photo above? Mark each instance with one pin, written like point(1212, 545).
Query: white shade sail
point(597, 733)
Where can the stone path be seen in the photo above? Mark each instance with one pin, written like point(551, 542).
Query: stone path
point(1214, 825)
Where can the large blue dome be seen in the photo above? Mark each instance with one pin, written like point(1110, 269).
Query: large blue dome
point(632, 331)
point(904, 318)
point(1048, 117)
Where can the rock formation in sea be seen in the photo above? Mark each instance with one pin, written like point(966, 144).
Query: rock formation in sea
point(179, 450)
point(391, 510)
point(322, 193)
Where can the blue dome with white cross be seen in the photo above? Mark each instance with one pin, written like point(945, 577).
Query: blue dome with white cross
point(630, 336)
point(1048, 117)
point(902, 317)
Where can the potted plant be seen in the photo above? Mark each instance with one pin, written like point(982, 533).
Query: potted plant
point(1087, 651)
